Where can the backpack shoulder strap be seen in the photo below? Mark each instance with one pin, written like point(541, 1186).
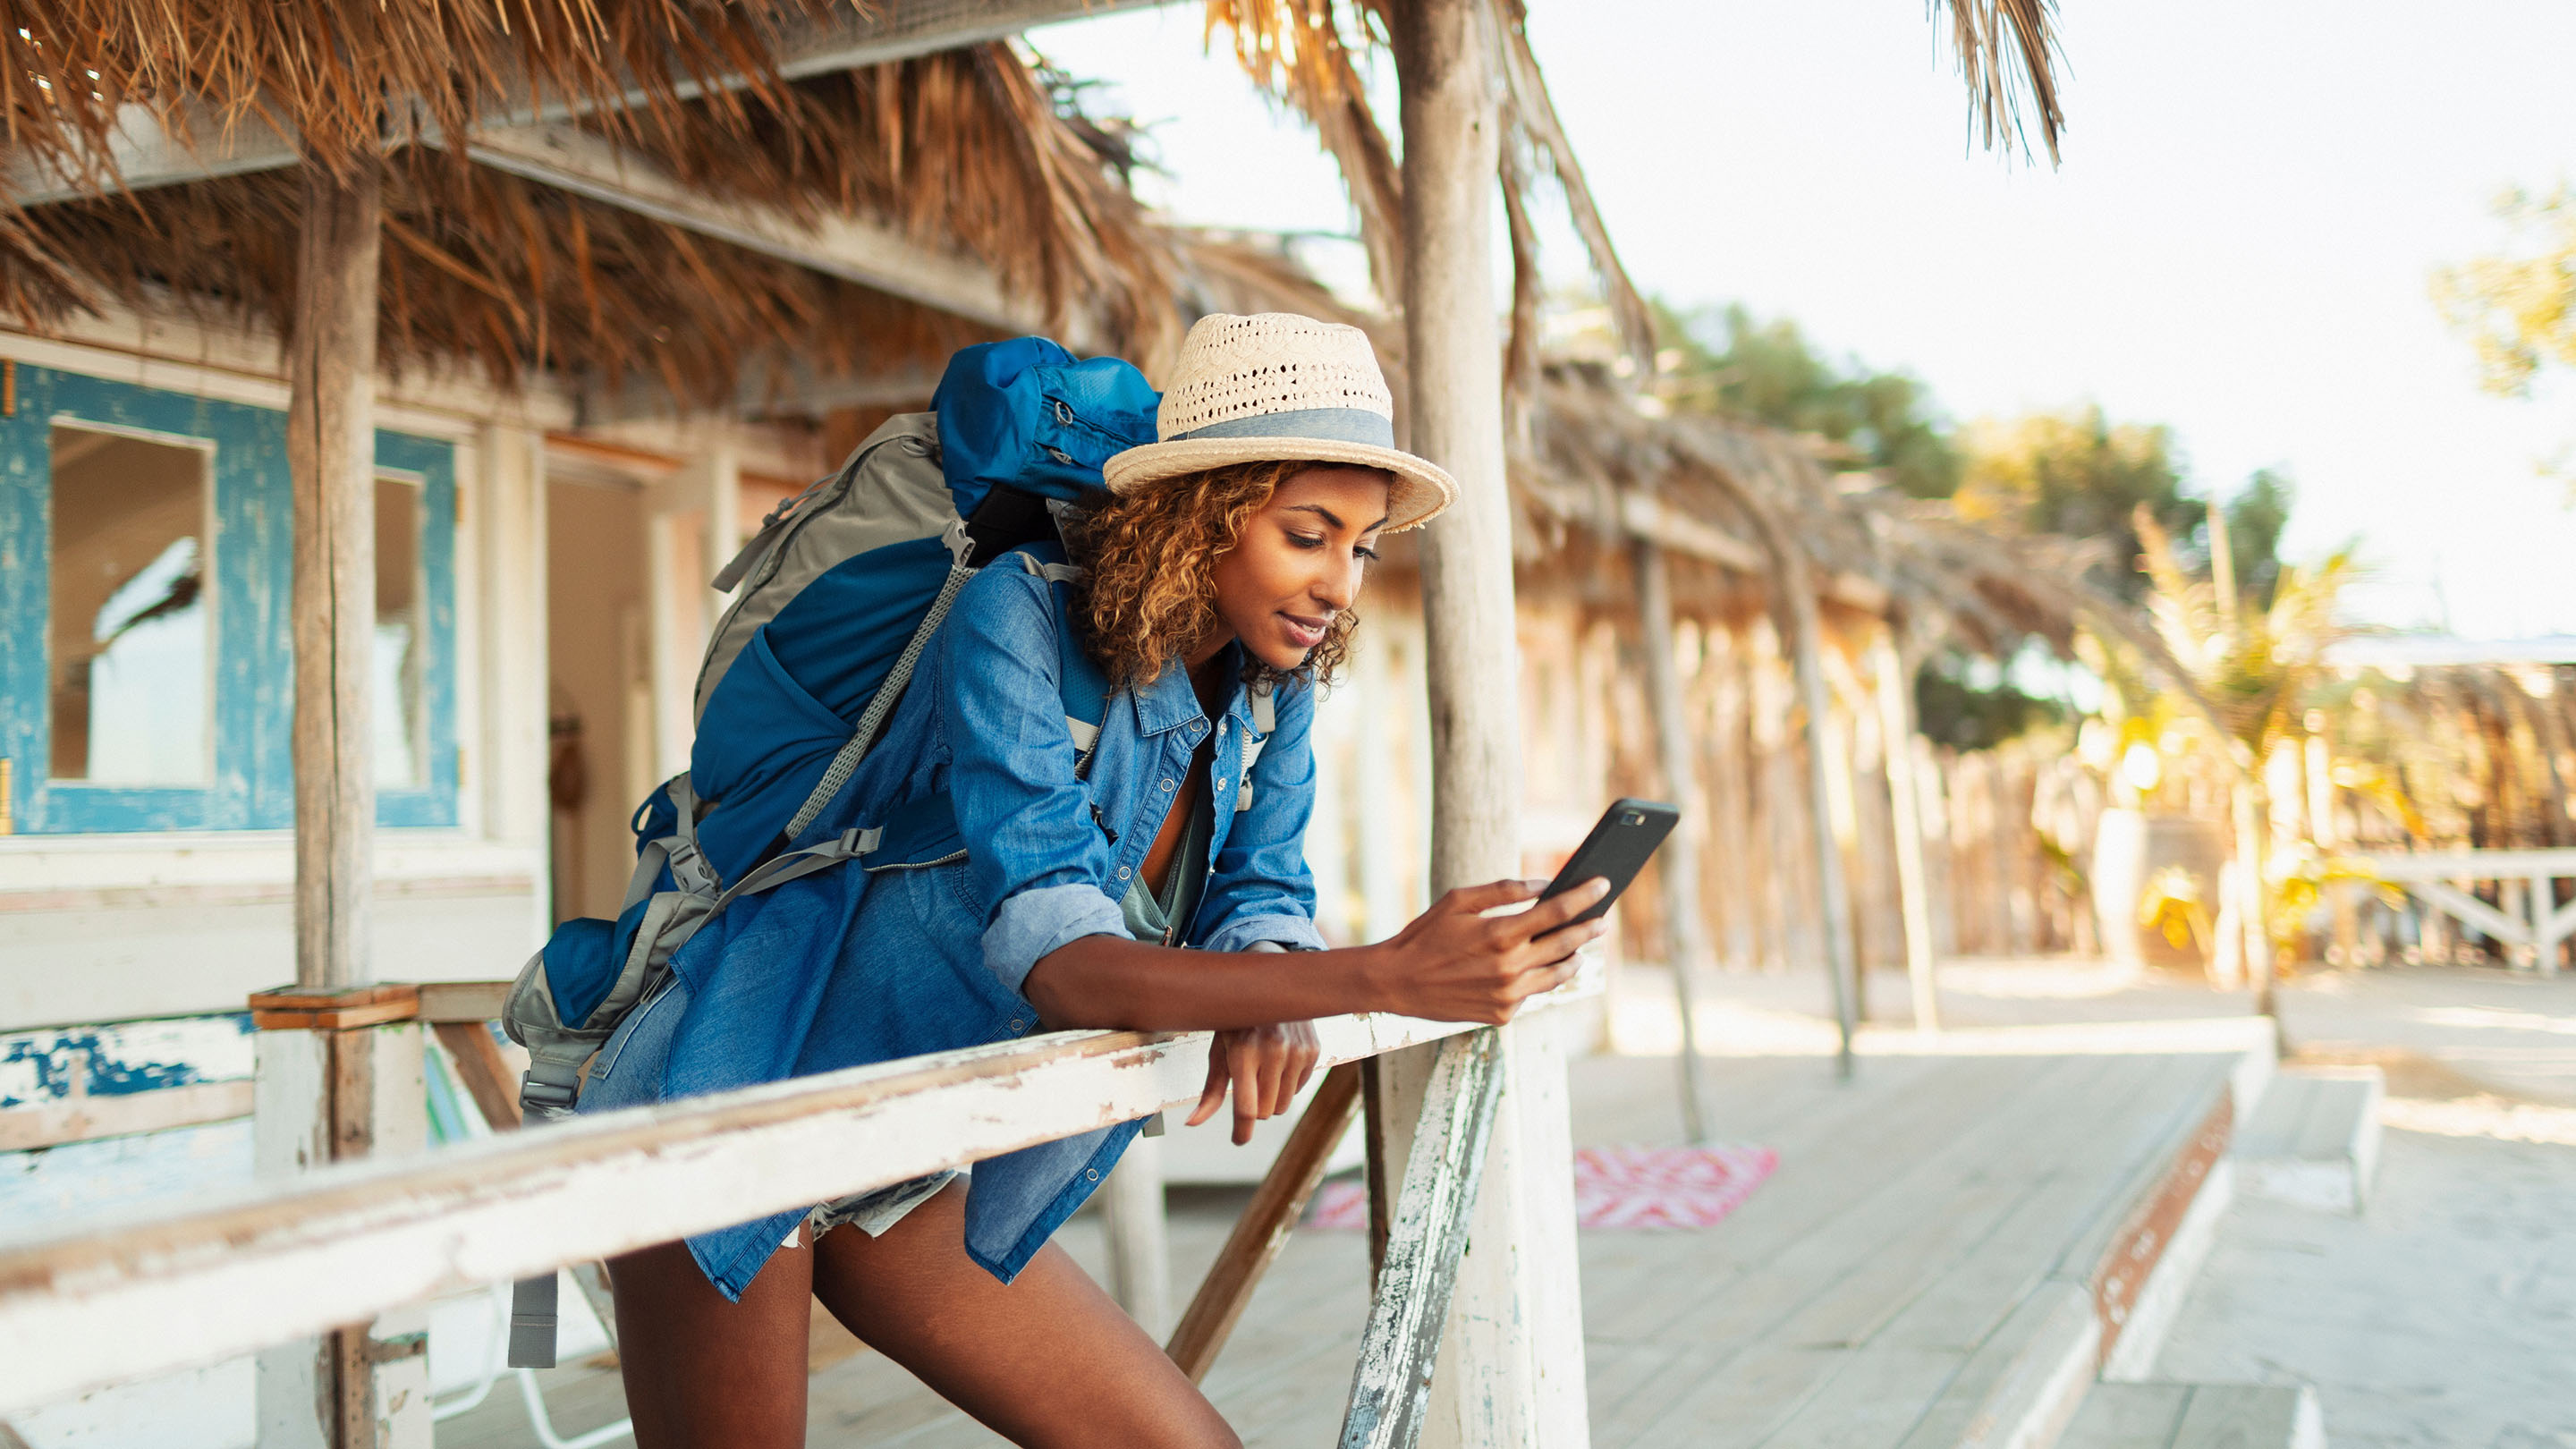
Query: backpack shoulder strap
point(1083, 689)
point(1265, 720)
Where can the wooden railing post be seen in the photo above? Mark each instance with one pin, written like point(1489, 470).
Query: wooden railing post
point(338, 1076)
point(1893, 675)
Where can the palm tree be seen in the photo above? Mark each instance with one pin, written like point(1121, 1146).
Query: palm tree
point(2254, 667)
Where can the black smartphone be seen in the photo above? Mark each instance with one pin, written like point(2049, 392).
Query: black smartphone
point(1616, 850)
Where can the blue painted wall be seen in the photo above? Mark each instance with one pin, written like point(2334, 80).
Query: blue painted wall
point(254, 697)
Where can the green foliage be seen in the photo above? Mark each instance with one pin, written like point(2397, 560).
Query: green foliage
point(1965, 703)
point(1767, 372)
point(2078, 474)
point(2519, 310)
point(2256, 517)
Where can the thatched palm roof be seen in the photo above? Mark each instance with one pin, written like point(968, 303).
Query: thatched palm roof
point(1597, 470)
point(966, 153)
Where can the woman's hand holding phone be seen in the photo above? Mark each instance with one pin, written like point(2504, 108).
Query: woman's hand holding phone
point(1455, 962)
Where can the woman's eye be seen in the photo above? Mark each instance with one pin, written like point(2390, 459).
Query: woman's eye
point(1307, 540)
point(1368, 554)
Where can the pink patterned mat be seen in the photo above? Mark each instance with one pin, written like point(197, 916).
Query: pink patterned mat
point(1616, 1187)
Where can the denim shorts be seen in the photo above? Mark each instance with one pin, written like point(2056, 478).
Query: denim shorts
point(627, 1072)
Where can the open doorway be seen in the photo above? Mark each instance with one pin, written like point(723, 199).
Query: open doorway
point(600, 681)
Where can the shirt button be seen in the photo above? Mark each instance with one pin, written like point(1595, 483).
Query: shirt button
point(1122, 872)
point(1167, 784)
point(1091, 1174)
point(1016, 1023)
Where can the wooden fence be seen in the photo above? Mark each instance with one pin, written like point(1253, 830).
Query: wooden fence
point(346, 1243)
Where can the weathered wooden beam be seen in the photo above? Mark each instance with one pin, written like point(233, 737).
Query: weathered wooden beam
point(1678, 867)
point(144, 154)
point(1426, 1237)
point(451, 1001)
point(485, 1072)
point(1649, 519)
point(330, 455)
point(1266, 1222)
point(564, 156)
point(350, 1240)
point(86, 1119)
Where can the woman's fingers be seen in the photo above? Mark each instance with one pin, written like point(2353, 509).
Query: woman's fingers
point(1247, 1090)
point(1479, 898)
point(1211, 1096)
point(1552, 914)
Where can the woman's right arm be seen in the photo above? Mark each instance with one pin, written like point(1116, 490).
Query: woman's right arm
point(1451, 963)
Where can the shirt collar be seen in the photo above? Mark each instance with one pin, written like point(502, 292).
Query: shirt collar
point(1169, 703)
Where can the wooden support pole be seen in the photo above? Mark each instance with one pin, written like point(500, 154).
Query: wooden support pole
point(1263, 1229)
point(1894, 676)
point(1794, 578)
point(1139, 1240)
point(1678, 868)
point(1511, 1353)
point(330, 453)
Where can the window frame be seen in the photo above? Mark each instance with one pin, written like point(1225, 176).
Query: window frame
point(211, 596)
point(249, 546)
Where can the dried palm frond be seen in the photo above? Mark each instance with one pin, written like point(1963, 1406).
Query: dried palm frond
point(963, 151)
point(2008, 56)
point(327, 71)
point(1302, 52)
point(488, 270)
point(1533, 117)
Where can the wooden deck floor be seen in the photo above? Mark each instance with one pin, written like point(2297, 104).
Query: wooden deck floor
point(1923, 1222)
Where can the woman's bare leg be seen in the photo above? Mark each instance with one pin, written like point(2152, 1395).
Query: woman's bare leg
point(702, 1373)
point(1049, 1362)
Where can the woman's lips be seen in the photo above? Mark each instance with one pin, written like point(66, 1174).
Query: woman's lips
point(1305, 633)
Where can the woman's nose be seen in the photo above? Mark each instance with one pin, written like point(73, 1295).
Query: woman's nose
point(1338, 586)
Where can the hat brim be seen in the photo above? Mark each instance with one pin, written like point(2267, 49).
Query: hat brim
point(1420, 493)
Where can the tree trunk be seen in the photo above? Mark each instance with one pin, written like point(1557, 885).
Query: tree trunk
point(1510, 1358)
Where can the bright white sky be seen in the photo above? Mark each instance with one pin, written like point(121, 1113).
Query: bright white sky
point(2238, 243)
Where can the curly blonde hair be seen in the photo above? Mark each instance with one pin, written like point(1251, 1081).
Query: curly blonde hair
point(1150, 555)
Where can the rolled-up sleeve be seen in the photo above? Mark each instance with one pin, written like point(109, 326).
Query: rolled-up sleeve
point(1037, 856)
point(1037, 921)
point(1260, 889)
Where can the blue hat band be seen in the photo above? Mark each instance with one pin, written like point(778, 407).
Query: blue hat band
point(1318, 425)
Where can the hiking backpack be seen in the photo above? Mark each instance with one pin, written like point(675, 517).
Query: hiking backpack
point(839, 592)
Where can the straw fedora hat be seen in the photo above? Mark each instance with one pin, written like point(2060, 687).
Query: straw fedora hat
point(1280, 386)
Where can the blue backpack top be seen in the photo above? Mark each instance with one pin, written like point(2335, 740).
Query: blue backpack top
point(838, 594)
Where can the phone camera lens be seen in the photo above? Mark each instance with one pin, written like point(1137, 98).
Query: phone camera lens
point(1632, 818)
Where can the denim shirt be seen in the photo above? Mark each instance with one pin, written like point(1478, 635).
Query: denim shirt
point(926, 949)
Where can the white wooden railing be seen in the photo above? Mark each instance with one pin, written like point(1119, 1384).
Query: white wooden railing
point(2440, 880)
point(347, 1242)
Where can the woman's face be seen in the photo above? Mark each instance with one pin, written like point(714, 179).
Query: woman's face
point(1299, 563)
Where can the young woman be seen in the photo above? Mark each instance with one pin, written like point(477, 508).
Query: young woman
point(1223, 569)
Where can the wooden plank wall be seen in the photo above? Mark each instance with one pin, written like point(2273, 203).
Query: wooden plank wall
point(1588, 738)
